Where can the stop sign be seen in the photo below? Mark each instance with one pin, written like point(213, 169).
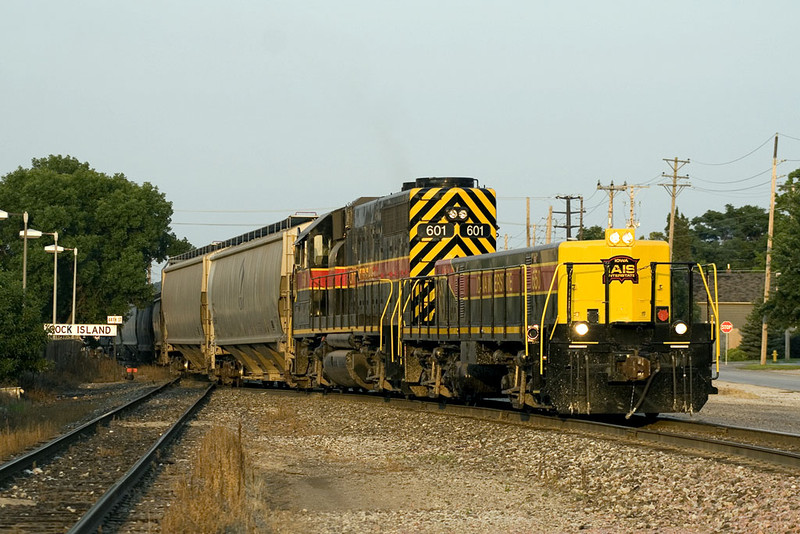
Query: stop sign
point(726, 326)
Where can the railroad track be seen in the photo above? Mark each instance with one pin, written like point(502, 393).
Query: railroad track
point(778, 449)
point(74, 482)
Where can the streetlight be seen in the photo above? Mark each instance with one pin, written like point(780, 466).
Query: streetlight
point(53, 249)
point(36, 234)
point(25, 234)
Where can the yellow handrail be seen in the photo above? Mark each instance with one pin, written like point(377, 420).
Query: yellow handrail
point(714, 306)
point(544, 311)
point(525, 331)
point(385, 307)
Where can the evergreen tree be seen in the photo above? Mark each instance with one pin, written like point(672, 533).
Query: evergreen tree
point(751, 335)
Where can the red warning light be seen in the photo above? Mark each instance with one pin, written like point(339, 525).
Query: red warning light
point(663, 315)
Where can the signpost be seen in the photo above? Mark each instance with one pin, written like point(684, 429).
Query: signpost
point(726, 327)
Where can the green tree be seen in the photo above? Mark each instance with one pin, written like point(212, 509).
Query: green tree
point(751, 335)
point(783, 306)
point(118, 227)
point(594, 232)
point(737, 237)
point(22, 338)
point(682, 239)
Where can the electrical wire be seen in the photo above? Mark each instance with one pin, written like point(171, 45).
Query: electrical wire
point(732, 181)
point(732, 190)
point(739, 158)
point(789, 136)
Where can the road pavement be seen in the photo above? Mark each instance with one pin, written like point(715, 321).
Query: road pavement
point(782, 379)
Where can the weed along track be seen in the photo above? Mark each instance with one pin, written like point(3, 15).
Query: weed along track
point(84, 480)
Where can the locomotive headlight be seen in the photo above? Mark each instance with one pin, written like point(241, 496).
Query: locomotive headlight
point(581, 328)
point(680, 327)
point(462, 214)
point(452, 213)
point(627, 238)
point(614, 238)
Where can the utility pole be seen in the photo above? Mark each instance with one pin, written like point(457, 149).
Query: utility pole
point(549, 232)
point(769, 250)
point(632, 193)
point(528, 221)
point(611, 189)
point(568, 223)
point(505, 244)
point(674, 190)
point(580, 230)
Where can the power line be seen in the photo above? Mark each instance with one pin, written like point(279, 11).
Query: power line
point(762, 184)
point(739, 158)
point(733, 181)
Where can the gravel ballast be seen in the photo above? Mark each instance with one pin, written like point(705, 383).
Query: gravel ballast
point(330, 464)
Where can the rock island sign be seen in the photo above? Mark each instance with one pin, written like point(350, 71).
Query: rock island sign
point(103, 330)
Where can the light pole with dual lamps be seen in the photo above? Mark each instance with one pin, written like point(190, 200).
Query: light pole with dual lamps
point(25, 234)
point(54, 249)
point(36, 234)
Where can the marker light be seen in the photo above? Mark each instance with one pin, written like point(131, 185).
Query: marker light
point(680, 327)
point(581, 328)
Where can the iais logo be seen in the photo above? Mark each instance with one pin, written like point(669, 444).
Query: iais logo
point(621, 268)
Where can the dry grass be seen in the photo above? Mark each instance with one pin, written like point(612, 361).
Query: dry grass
point(38, 416)
point(25, 423)
point(213, 496)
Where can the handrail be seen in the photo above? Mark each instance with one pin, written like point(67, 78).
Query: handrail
point(525, 331)
point(714, 307)
point(544, 312)
point(385, 307)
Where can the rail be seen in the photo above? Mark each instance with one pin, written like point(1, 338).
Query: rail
point(17, 465)
point(93, 519)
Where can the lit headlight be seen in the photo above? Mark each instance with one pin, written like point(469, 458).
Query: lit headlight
point(627, 238)
point(462, 214)
point(680, 327)
point(452, 214)
point(614, 238)
point(581, 328)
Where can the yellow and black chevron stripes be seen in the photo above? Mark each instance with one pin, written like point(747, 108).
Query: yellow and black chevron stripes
point(430, 205)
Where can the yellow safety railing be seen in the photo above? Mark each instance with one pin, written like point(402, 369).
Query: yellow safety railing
point(714, 307)
point(385, 307)
point(544, 312)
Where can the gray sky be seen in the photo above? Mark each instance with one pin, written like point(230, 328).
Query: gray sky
point(270, 107)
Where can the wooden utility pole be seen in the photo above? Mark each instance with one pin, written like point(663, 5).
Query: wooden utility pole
point(611, 189)
point(674, 190)
point(549, 232)
point(505, 244)
point(528, 221)
point(568, 226)
point(632, 193)
point(769, 250)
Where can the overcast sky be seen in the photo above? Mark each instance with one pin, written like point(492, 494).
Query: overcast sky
point(243, 112)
